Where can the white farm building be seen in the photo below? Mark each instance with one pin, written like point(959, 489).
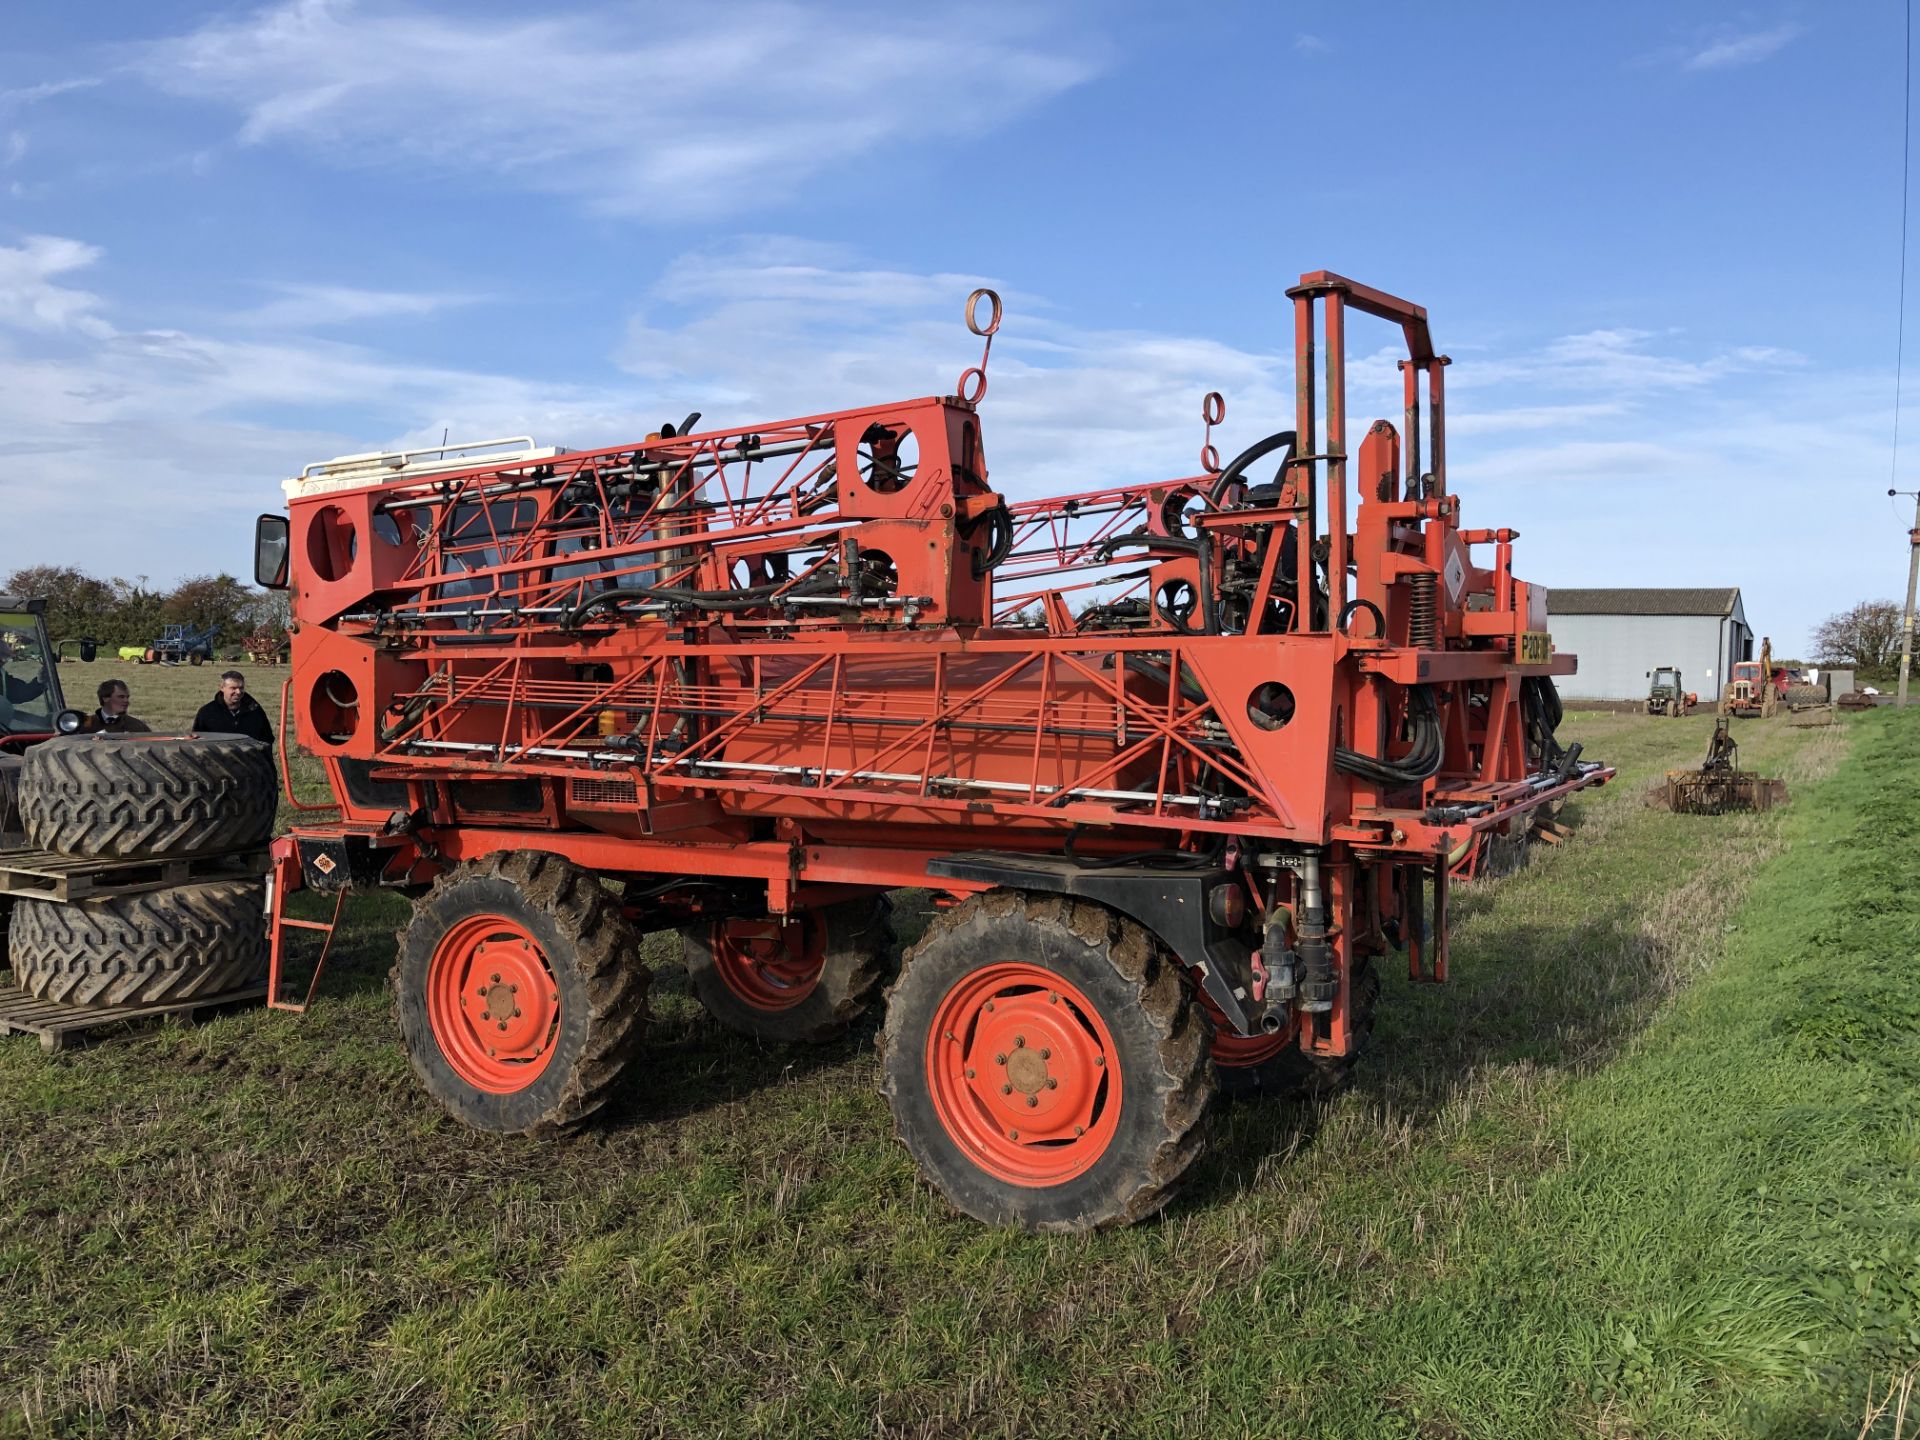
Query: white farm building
point(1620, 635)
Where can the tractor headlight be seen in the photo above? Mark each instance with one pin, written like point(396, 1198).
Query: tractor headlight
point(68, 722)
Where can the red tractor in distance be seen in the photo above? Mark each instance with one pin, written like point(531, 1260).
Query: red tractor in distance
point(1182, 760)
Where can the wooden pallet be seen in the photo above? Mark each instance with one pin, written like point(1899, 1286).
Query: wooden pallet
point(42, 875)
point(59, 1026)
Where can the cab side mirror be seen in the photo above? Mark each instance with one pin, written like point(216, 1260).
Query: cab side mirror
point(270, 552)
point(89, 651)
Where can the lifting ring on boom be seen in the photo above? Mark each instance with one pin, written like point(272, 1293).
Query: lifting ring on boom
point(972, 386)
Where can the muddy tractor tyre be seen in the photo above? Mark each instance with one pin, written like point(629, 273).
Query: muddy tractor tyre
point(1255, 1067)
point(157, 947)
point(142, 796)
point(520, 993)
point(1045, 1064)
point(793, 980)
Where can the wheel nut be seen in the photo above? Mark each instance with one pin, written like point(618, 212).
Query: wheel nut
point(970, 1073)
point(1000, 1059)
point(989, 1005)
point(1019, 1042)
point(516, 1012)
point(1099, 1059)
point(1013, 1134)
point(503, 1024)
point(513, 989)
point(1006, 1089)
point(1046, 1054)
point(1053, 1081)
point(496, 979)
point(491, 1052)
point(555, 997)
point(480, 990)
point(1032, 1100)
point(1079, 1130)
point(1053, 997)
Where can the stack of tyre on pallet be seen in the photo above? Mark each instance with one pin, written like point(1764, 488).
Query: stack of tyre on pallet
point(195, 808)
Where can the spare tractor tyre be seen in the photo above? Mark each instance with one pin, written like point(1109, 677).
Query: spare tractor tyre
point(150, 948)
point(147, 795)
point(797, 979)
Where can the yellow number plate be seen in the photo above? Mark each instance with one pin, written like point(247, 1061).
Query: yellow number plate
point(1536, 647)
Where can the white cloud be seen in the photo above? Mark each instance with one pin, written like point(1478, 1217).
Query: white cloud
point(137, 451)
point(16, 148)
point(33, 94)
point(141, 451)
point(29, 297)
point(302, 307)
point(1732, 49)
point(1724, 48)
point(1311, 45)
point(646, 112)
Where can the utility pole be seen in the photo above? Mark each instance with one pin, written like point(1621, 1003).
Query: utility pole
point(1913, 578)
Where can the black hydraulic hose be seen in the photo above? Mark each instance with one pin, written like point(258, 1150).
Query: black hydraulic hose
point(735, 601)
point(1148, 669)
point(999, 521)
point(1237, 466)
point(1421, 763)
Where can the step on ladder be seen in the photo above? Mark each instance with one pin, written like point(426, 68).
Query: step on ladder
point(282, 879)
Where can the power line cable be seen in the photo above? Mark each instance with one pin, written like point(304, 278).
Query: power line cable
point(1906, 174)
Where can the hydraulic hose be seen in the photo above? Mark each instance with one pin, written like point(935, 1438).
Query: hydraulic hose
point(999, 521)
point(1421, 763)
point(734, 601)
point(1237, 466)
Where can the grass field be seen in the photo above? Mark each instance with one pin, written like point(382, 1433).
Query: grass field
point(1646, 1168)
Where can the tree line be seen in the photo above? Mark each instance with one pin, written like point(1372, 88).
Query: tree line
point(132, 612)
point(1867, 636)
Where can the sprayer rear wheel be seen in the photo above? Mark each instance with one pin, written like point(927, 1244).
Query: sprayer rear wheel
point(798, 979)
point(520, 993)
point(1275, 1067)
point(1044, 1064)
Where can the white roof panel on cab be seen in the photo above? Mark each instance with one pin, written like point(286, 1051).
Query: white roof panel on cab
point(377, 467)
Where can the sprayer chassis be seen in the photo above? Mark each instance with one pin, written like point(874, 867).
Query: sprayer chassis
point(758, 694)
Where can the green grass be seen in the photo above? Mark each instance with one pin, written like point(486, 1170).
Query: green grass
point(1645, 1168)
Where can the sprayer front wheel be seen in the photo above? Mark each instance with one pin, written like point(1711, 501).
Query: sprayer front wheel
point(520, 993)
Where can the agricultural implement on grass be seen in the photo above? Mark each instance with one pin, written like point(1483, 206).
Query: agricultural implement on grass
point(1181, 759)
point(1720, 786)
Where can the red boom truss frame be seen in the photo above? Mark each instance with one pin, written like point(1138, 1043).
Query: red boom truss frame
point(825, 652)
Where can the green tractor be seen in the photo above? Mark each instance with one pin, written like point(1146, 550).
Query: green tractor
point(1666, 695)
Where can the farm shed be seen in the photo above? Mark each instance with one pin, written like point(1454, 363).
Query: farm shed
point(1620, 635)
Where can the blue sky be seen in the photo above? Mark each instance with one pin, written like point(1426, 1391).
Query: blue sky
point(1660, 242)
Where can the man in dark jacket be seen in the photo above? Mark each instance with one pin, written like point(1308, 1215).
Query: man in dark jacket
point(111, 718)
point(233, 711)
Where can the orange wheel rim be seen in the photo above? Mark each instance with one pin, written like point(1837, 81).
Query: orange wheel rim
point(493, 1003)
point(1238, 1052)
point(1024, 1075)
point(770, 964)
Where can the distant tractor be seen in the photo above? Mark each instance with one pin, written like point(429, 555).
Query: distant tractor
point(1755, 688)
point(1666, 695)
point(189, 644)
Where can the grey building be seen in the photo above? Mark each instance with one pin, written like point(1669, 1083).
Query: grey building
point(1620, 635)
